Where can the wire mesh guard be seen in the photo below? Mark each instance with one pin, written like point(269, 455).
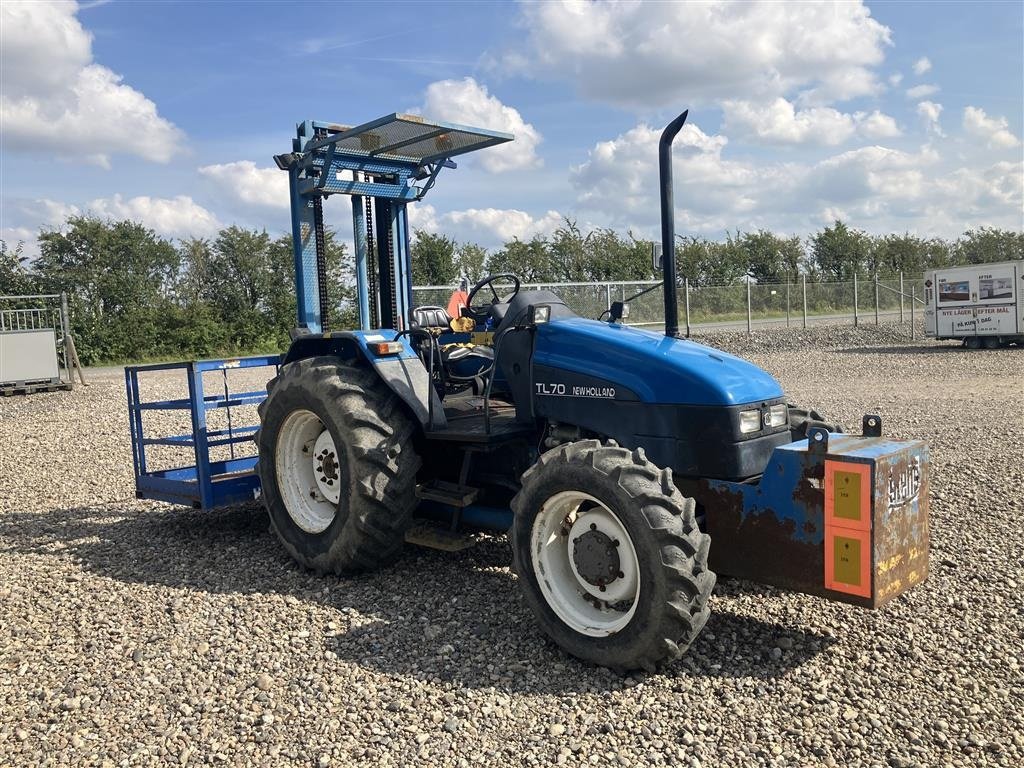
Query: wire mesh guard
point(414, 139)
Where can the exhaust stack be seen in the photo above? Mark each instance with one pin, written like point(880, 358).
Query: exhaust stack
point(668, 224)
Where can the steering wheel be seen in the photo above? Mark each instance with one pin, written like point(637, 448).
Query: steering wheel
point(482, 312)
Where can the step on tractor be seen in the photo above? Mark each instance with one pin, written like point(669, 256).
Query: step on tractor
point(627, 467)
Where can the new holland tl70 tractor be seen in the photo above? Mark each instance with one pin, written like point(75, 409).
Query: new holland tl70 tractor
point(625, 465)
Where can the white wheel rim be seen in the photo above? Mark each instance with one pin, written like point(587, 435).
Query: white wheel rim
point(582, 605)
point(308, 473)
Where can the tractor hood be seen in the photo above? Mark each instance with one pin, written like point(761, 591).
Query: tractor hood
point(657, 369)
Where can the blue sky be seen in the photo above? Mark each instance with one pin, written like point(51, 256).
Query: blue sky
point(895, 116)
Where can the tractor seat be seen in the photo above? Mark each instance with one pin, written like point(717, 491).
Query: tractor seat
point(429, 318)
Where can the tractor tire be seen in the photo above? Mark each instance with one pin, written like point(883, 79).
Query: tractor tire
point(337, 465)
point(801, 420)
point(609, 556)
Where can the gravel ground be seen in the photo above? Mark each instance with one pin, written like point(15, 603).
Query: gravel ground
point(134, 633)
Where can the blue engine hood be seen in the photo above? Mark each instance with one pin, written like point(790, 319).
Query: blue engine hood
point(658, 369)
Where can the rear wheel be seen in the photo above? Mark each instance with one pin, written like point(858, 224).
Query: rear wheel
point(336, 464)
point(972, 342)
point(990, 342)
point(609, 556)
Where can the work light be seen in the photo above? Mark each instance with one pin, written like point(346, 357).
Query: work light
point(750, 421)
point(778, 415)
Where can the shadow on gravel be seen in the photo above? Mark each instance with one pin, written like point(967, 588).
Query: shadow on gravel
point(454, 617)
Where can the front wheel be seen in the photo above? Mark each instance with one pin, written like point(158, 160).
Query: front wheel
point(337, 465)
point(609, 556)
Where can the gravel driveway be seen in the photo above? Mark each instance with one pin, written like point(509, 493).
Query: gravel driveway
point(134, 633)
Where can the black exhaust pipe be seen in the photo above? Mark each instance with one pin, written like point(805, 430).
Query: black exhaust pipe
point(668, 224)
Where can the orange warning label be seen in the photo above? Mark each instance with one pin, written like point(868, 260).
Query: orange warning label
point(848, 561)
point(848, 527)
point(848, 495)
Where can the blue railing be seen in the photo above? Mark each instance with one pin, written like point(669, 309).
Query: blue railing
point(206, 483)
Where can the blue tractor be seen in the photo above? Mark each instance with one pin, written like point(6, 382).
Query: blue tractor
point(612, 456)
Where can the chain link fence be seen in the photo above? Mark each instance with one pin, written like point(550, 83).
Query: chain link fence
point(796, 304)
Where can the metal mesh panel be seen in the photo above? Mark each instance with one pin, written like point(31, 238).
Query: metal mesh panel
point(418, 139)
point(773, 304)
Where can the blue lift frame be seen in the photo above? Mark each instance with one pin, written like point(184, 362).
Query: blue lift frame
point(205, 484)
point(395, 160)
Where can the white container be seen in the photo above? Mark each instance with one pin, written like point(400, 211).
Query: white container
point(28, 356)
point(982, 304)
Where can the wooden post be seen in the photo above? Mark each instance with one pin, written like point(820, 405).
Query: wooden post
point(77, 362)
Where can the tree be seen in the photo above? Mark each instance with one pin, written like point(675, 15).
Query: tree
point(118, 277)
point(530, 261)
point(840, 252)
point(470, 261)
point(15, 279)
point(612, 257)
point(706, 262)
point(433, 259)
point(770, 258)
point(906, 253)
point(986, 245)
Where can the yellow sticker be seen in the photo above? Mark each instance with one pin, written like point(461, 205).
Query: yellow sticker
point(846, 560)
point(846, 491)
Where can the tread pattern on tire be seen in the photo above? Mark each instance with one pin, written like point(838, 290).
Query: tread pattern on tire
point(382, 462)
point(671, 518)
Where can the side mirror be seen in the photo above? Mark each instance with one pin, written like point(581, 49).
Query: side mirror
point(619, 311)
point(656, 257)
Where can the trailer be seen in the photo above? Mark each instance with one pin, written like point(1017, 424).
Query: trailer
point(980, 304)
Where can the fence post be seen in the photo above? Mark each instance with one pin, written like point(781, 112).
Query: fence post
point(686, 301)
point(856, 316)
point(901, 299)
point(748, 305)
point(803, 280)
point(608, 296)
point(787, 302)
point(913, 299)
point(876, 298)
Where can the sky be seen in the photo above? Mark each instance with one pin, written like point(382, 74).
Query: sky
point(890, 116)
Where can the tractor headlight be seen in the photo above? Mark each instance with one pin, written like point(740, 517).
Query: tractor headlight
point(778, 415)
point(750, 421)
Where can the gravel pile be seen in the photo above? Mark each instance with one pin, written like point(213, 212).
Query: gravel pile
point(134, 633)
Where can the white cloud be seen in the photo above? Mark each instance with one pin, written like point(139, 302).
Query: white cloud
point(267, 187)
point(779, 122)
point(876, 125)
point(895, 79)
point(929, 112)
point(873, 187)
point(922, 65)
point(490, 227)
point(56, 98)
point(178, 216)
point(922, 91)
point(467, 102)
point(995, 130)
point(662, 54)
